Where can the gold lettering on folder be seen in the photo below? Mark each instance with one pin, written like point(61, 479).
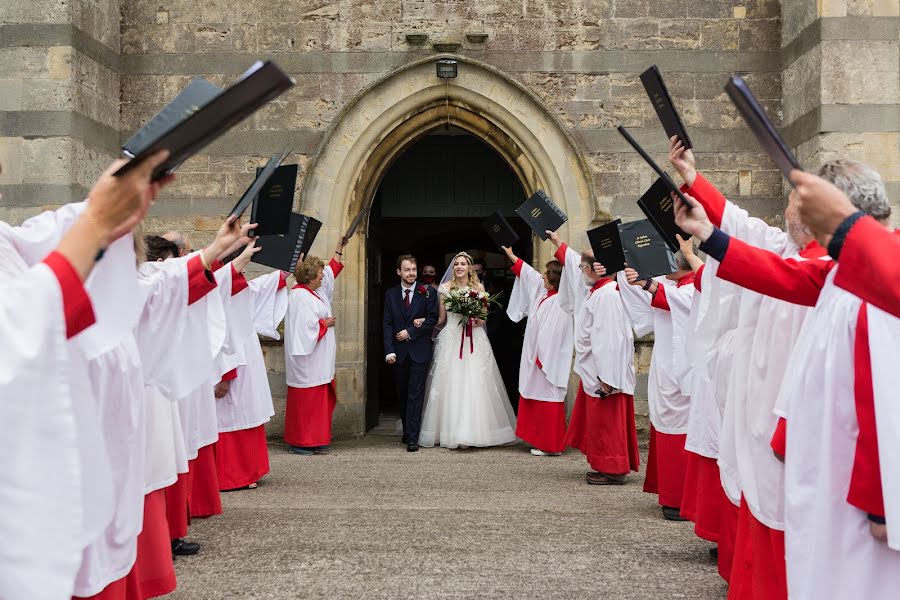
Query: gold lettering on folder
point(496, 228)
point(535, 212)
point(642, 241)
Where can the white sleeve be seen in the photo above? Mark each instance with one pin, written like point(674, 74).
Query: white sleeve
point(527, 292)
point(738, 223)
point(637, 305)
point(327, 287)
point(302, 324)
point(572, 289)
point(680, 300)
point(269, 304)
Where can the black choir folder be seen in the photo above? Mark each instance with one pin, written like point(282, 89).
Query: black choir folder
point(662, 102)
point(188, 127)
point(500, 230)
point(761, 126)
point(656, 168)
point(262, 176)
point(659, 208)
point(606, 243)
point(645, 250)
point(273, 205)
point(283, 251)
point(542, 214)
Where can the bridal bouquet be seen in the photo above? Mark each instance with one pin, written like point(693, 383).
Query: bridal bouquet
point(469, 303)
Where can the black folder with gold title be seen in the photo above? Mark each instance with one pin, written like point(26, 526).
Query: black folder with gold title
point(606, 243)
point(273, 205)
point(658, 206)
point(283, 251)
point(542, 214)
point(501, 232)
point(662, 102)
point(645, 250)
point(262, 176)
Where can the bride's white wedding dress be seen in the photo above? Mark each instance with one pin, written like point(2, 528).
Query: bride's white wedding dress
point(465, 400)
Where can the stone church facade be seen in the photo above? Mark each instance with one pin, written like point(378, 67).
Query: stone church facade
point(542, 82)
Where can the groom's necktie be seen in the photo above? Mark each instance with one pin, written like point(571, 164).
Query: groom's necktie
point(406, 298)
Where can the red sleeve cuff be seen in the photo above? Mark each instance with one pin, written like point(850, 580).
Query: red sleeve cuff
point(697, 277)
point(561, 253)
point(710, 197)
point(216, 265)
point(230, 375)
point(659, 298)
point(779, 438)
point(517, 268)
point(200, 281)
point(336, 267)
point(238, 282)
point(323, 329)
point(77, 307)
point(282, 279)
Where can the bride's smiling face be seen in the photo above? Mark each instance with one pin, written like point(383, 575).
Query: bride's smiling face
point(461, 267)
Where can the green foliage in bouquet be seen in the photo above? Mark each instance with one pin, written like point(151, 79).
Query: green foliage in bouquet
point(470, 303)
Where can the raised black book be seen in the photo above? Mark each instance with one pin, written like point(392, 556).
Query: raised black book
point(188, 135)
point(658, 206)
point(197, 93)
point(659, 172)
point(354, 224)
point(761, 126)
point(645, 250)
point(542, 214)
point(502, 234)
point(606, 242)
point(662, 102)
point(283, 251)
point(273, 205)
point(262, 176)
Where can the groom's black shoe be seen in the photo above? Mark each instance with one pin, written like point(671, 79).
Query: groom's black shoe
point(412, 447)
point(404, 440)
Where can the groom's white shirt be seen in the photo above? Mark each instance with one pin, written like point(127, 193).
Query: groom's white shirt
point(403, 288)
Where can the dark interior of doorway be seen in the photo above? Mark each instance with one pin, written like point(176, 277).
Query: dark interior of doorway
point(431, 204)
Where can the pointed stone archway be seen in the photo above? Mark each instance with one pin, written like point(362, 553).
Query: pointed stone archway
point(377, 126)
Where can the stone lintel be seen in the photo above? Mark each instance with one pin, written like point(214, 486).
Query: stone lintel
point(842, 118)
point(59, 123)
point(59, 34)
point(840, 28)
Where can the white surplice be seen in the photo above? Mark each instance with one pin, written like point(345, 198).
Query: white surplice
point(604, 341)
point(829, 550)
point(309, 361)
point(549, 337)
point(248, 402)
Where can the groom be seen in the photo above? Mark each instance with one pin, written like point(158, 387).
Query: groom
point(410, 314)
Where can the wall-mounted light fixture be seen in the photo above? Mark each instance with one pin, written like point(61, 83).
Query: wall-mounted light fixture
point(446, 68)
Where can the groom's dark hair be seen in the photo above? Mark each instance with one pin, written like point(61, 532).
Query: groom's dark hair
point(403, 257)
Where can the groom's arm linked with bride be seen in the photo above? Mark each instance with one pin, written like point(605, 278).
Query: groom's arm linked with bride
point(410, 315)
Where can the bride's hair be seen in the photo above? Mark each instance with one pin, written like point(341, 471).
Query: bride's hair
point(473, 277)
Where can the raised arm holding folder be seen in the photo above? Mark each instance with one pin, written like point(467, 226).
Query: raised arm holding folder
point(645, 250)
point(659, 208)
point(667, 181)
point(542, 214)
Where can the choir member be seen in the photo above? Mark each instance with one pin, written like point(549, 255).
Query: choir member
point(47, 506)
point(546, 356)
point(602, 423)
point(310, 350)
point(840, 472)
point(256, 308)
point(670, 300)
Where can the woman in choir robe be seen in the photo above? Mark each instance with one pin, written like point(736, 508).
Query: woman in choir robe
point(310, 350)
point(602, 423)
point(245, 406)
point(546, 356)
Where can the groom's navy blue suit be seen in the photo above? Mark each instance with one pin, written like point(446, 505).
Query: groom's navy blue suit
point(414, 354)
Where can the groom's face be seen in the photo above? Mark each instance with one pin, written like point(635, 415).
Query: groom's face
point(408, 272)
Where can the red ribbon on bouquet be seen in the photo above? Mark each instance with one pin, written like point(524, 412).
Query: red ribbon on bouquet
point(467, 332)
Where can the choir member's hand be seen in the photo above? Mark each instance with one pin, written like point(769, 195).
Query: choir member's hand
point(599, 269)
point(402, 335)
point(330, 321)
point(878, 531)
point(779, 457)
point(693, 220)
point(221, 389)
point(243, 259)
point(510, 254)
point(418, 322)
point(822, 206)
point(685, 245)
point(554, 238)
point(683, 160)
point(632, 276)
point(339, 249)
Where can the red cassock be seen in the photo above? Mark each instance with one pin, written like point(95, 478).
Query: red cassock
point(307, 420)
point(242, 457)
point(703, 499)
point(178, 514)
point(542, 424)
point(603, 430)
point(154, 569)
point(204, 500)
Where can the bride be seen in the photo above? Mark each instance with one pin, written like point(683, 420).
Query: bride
point(465, 398)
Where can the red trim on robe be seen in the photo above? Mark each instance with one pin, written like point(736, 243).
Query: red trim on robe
point(758, 569)
point(865, 481)
point(242, 457)
point(813, 251)
point(550, 294)
point(686, 279)
point(698, 276)
point(779, 438)
point(282, 280)
point(870, 266)
point(303, 286)
point(659, 298)
point(517, 268)
point(200, 281)
point(537, 362)
point(308, 415)
point(238, 281)
point(603, 430)
point(77, 307)
point(560, 254)
point(542, 424)
point(709, 196)
point(323, 329)
point(216, 265)
point(764, 272)
point(336, 267)
point(230, 375)
point(600, 283)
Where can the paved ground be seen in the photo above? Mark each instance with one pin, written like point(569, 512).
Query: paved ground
point(372, 521)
